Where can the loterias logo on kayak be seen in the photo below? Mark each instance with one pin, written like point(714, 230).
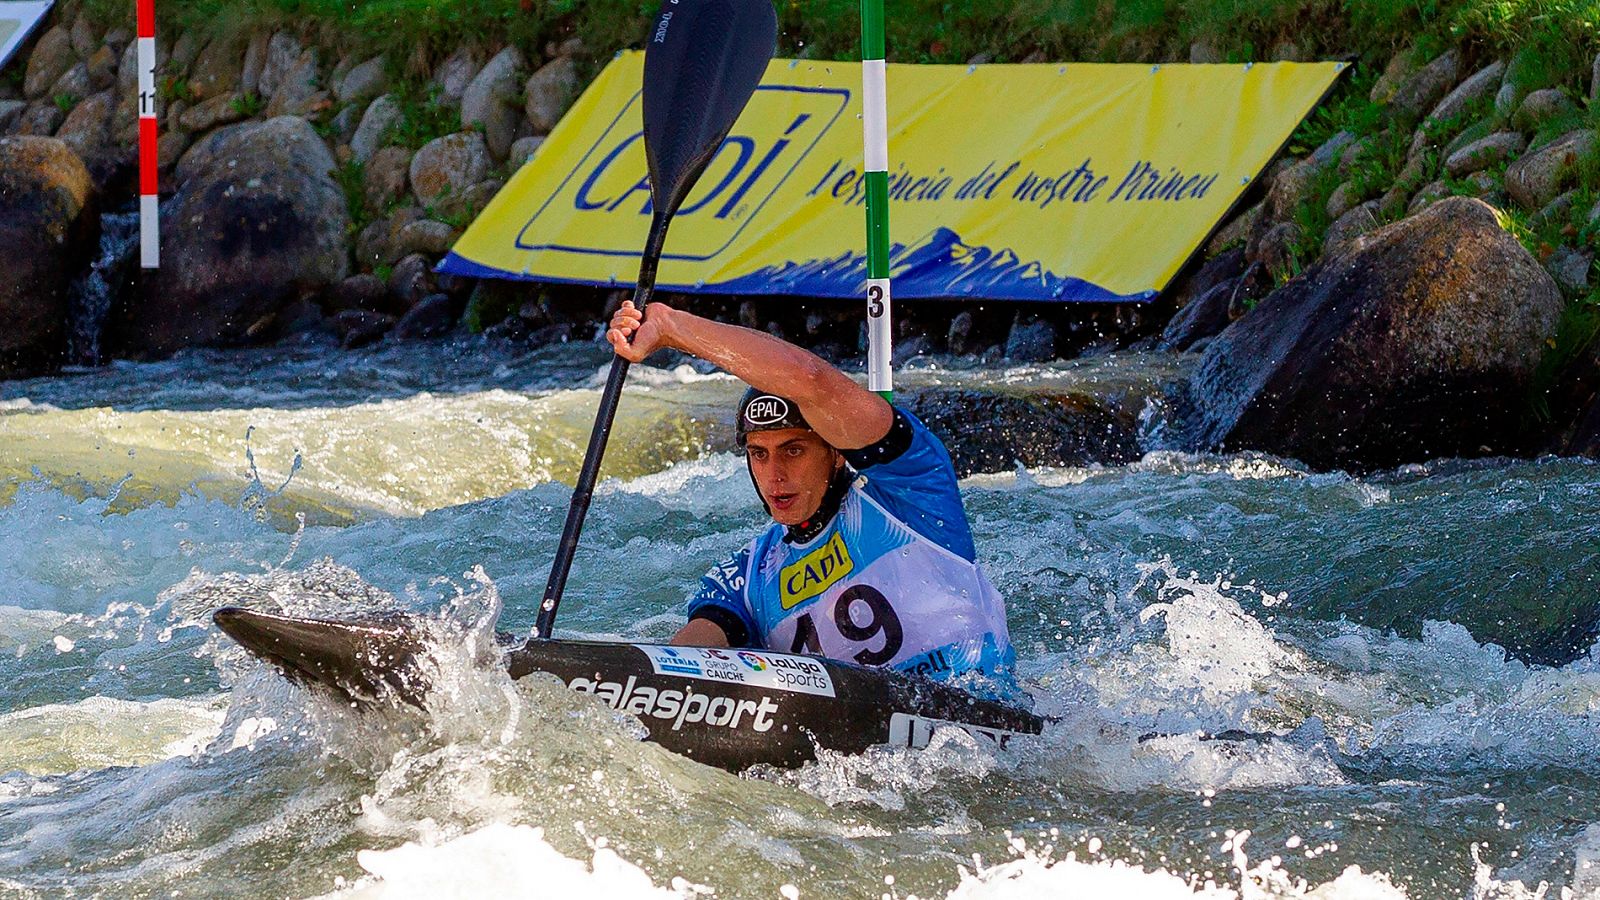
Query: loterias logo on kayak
point(798, 674)
point(681, 707)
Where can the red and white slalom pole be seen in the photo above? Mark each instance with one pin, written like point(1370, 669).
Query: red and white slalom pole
point(149, 210)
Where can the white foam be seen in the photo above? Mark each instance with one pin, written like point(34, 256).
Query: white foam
point(501, 860)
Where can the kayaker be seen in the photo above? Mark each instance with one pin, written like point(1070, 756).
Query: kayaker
point(870, 556)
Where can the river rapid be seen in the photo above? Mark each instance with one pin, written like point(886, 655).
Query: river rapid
point(142, 754)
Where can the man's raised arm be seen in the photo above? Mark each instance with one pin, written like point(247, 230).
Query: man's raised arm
point(843, 413)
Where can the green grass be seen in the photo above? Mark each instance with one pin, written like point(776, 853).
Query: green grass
point(1555, 34)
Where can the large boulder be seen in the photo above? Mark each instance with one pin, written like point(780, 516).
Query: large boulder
point(994, 432)
point(1416, 341)
point(47, 225)
point(256, 223)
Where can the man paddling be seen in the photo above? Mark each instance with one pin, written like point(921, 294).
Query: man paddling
point(869, 558)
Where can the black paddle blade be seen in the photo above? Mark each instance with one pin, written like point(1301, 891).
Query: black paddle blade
point(703, 61)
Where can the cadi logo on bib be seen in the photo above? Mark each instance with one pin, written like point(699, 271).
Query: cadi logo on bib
point(815, 572)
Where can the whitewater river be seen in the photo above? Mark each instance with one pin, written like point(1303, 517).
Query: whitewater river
point(141, 754)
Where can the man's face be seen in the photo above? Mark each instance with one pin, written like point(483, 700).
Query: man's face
point(792, 468)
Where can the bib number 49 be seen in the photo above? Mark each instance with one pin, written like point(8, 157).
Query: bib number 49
point(880, 618)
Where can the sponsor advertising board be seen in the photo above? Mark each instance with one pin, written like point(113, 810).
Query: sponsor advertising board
point(1058, 182)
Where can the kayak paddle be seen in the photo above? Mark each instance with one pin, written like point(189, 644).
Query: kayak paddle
point(703, 61)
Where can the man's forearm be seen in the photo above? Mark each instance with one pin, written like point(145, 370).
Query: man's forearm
point(755, 357)
point(844, 413)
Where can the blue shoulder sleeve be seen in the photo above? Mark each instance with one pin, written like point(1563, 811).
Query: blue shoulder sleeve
point(909, 473)
point(721, 599)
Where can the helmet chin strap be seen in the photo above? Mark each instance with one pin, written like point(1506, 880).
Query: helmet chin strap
point(838, 484)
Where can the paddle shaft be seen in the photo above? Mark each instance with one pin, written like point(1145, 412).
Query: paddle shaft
point(583, 491)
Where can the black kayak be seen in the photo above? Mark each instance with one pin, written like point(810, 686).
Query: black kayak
point(729, 708)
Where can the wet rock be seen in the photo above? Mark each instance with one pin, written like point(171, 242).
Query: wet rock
point(1427, 86)
point(170, 148)
point(1289, 188)
point(1274, 248)
point(364, 82)
point(490, 101)
point(342, 127)
point(1344, 198)
point(411, 280)
point(1332, 149)
point(223, 109)
point(47, 225)
point(1219, 268)
point(1236, 231)
point(364, 291)
point(41, 119)
point(102, 69)
point(385, 177)
point(1031, 340)
point(1200, 318)
point(255, 62)
point(992, 432)
point(522, 150)
point(1542, 106)
point(85, 37)
point(125, 122)
point(426, 236)
point(382, 115)
point(372, 245)
point(1570, 270)
point(87, 128)
point(1485, 152)
point(1541, 174)
point(548, 92)
point(289, 79)
point(1556, 211)
point(256, 223)
point(456, 72)
point(174, 115)
point(360, 327)
point(449, 165)
point(1418, 342)
point(958, 336)
point(50, 59)
point(184, 51)
point(219, 67)
point(432, 316)
point(10, 115)
point(73, 85)
point(1480, 85)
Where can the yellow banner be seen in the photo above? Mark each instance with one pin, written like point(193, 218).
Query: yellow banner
point(1028, 182)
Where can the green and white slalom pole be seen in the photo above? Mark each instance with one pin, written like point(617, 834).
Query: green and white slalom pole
point(875, 125)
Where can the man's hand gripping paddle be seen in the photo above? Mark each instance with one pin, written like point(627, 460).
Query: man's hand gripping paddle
point(703, 61)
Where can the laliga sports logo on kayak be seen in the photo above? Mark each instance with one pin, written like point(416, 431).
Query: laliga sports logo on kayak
point(766, 410)
point(754, 662)
point(609, 190)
